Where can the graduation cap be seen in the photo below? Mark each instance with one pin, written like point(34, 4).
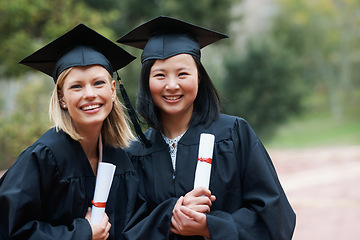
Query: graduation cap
point(81, 46)
point(164, 37)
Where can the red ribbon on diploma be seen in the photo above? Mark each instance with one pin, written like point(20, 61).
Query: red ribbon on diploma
point(99, 204)
point(207, 160)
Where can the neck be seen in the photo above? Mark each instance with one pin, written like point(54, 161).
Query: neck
point(90, 145)
point(173, 126)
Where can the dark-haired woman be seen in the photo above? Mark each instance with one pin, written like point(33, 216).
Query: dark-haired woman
point(179, 101)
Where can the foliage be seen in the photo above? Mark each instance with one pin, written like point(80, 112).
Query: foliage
point(28, 25)
point(209, 13)
point(262, 86)
point(325, 36)
point(27, 122)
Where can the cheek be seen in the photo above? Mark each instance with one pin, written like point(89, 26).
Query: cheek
point(155, 87)
point(192, 88)
point(69, 98)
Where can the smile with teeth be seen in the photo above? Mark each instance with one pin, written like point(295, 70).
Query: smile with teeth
point(172, 97)
point(90, 107)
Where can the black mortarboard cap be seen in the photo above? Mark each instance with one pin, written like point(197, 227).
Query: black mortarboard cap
point(81, 46)
point(164, 37)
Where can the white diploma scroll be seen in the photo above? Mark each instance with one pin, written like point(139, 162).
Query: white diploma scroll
point(104, 179)
point(203, 167)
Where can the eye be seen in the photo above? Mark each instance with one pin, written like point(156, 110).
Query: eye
point(183, 74)
point(99, 82)
point(75, 86)
point(159, 75)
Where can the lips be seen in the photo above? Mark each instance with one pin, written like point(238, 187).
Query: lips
point(90, 107)
point(172, 98)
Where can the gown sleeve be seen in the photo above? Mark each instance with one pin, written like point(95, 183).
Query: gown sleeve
point(266, 212)
point(23, 193)
point(148, 221)
point(153, 224)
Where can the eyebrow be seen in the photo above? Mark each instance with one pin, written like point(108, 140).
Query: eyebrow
point(162, 70)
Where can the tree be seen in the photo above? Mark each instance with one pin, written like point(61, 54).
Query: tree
point(22, 126)
point(325, 36)
point(27, 26)
point(262, 86)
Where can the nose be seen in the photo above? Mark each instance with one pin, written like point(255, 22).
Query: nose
point(172, 84)
point(89, 92)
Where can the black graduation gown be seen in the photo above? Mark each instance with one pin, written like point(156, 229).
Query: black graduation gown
point(45, 194)
point(250, 202)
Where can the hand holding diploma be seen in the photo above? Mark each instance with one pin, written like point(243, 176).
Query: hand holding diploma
point(203, 168)
point(104, 179)
point(101, 230)
point(189, 212)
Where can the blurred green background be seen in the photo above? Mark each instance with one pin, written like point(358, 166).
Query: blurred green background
point(291, 68)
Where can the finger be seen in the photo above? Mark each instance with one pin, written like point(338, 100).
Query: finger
point(200, 208)
point(202, 191)
point(202, 204)
point(176, 211)
point(180, 201)
point(108, 226)
point(204, 200)
point(178, 204)
point(105, 219)
point(88, 214)
point(174, 225)
point(174, 230)
point(191, 214)
point(175, 219)
point(176, 222)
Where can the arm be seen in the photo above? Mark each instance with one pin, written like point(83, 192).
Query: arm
point(23, 192)
point(150, 224)
point(264, 211)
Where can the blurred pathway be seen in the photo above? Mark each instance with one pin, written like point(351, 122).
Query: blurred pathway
point(322, 185)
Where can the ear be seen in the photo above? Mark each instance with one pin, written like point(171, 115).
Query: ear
point(62, 101)
point(113, 89)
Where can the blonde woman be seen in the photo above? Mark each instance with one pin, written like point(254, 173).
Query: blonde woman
point(48, 190)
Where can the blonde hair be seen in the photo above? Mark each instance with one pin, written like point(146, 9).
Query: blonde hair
point(115, 130)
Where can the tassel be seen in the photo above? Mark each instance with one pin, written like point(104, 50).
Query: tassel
point(132, 113)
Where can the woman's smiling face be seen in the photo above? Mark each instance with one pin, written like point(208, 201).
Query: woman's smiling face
point(173, 84)
point(88, 94)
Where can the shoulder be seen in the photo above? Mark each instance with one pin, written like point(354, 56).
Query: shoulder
point(37, 156)
point(44, 144)
point(230, 121)
point(59, 143)
point(52, 138)
point(118, 157)
point(137, 148)
point(225, 126)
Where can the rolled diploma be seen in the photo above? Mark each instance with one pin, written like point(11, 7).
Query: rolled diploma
point(104, 179)
point(203, 167)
